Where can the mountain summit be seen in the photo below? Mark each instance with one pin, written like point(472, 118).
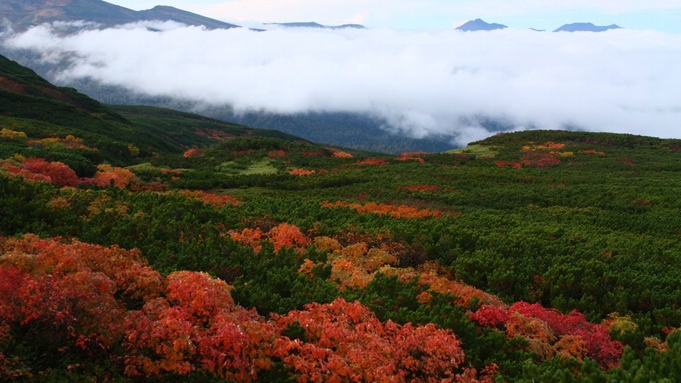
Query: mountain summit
point(586, 27)
point(312, 24)
point(479, 25)
point(25, 14)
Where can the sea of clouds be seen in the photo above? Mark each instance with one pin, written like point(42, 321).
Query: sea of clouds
point(436, 82)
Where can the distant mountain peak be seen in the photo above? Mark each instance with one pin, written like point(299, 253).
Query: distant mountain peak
point(586, 27)
point(312, 24)
point(480, 25)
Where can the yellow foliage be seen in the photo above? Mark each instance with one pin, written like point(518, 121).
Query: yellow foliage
point(134, 150)
point(619, 323)
point(9, 133)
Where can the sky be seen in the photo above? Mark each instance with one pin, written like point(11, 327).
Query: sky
point(662, 15)
point(422, 82)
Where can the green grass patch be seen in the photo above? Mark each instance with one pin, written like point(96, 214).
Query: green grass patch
point(476, 150)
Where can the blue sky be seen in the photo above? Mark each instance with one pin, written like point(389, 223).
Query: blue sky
point(662, 15)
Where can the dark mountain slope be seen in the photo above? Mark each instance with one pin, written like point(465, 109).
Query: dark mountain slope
point(31, 105)
point(25, 14)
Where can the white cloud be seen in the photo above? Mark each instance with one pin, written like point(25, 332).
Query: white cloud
point(421, 82)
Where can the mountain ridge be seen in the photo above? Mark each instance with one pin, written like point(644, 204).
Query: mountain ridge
point(312, 24)
point(586, 27)
point(480, 25)
point(24, 15)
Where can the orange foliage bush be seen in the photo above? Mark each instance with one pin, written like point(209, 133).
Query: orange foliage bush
point(400, 211)
point(550, 145)
point(282, 235)
point(287, 235)
point(301, 172)
point(464, 293)
point(372, 162)
point(412, 156)
point(354, 265)
point(345, 342)
point(276, 153)
point(571, 346)
point(339, 154)
point(193, 152)
point(108, 175)
point(210, 198)
point(197, 326)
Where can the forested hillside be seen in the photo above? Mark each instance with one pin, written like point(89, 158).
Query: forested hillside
point(205, 252)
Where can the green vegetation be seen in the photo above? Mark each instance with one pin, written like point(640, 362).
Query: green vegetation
point(476, 151)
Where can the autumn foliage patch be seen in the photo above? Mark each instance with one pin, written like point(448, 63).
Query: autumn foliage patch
point(551, 332)
point(400, 211)
point(282, 235)
point(345, 342)
point(78, 296)
point(193, 152)
point(420, 188)
point(301, 172)
point(210, 198)
point(372, 162)
point(412, 156)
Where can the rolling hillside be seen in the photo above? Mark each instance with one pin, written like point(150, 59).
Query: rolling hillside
point(30, 104)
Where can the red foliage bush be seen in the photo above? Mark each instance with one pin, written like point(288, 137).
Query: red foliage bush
point(598, 342)
point(276, 153)
point(490, 316)
point(515, 165)
point(59, 173)
point(539, 160)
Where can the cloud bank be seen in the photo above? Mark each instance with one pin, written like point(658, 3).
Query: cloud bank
point(422, 83)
